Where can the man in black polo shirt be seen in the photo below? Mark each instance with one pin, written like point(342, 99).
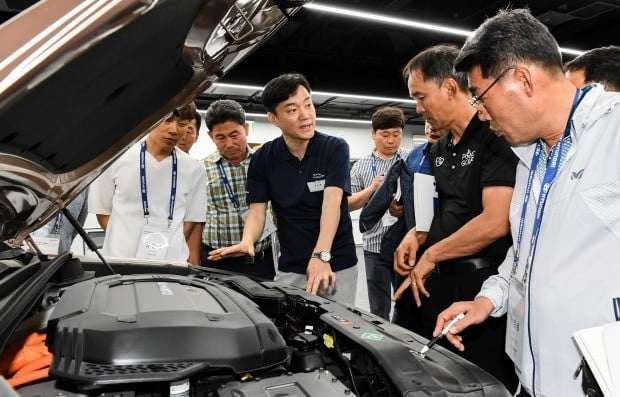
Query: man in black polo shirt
point(468, 239)
point(305, 175)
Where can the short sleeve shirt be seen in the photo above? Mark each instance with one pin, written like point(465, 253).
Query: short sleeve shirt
point(224, 225)
point(117, 193)
point(276, 174)
point(479, 159)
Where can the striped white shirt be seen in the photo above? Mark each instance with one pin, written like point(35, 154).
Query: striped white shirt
point(363, 173)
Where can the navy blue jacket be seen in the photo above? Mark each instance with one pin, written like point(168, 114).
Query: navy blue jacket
point(379, 203)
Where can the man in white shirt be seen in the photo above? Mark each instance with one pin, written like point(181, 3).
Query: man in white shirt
point(149, 201)
point(562, 273)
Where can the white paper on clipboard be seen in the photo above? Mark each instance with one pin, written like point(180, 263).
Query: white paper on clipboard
point(424, 195)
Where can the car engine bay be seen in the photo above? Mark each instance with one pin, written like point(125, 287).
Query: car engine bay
point(158, 330)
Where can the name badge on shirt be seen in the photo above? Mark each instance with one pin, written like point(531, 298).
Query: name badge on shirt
point(516, 322)
point(269, 228)
point(316, 186)
point(47, 241)
point(48, 244)
point(154, 242)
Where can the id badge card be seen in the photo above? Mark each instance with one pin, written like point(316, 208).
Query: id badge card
point(515, 328)
point(154, 242)
point(269, 228)
point(316, 186)
point(388, 220)
point(47, 243)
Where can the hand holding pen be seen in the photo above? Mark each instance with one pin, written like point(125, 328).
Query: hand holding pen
point(476, 312)
point(443, 333)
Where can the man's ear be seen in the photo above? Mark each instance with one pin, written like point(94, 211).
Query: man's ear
point(273, 119)
point(525, 77)
point(451, 87)
point(246, 128)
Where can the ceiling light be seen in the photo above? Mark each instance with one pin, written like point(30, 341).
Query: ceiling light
point(386, 19)
point(571, 51)
point(323, 93)
point(327, 119)
point(404, 22)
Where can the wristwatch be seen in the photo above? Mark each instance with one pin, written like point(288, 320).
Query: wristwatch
point(323, 256)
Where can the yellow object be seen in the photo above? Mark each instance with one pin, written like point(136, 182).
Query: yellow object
point(246, 377)
point(328, 340)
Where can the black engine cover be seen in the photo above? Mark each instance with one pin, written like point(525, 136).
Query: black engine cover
point(149, 328)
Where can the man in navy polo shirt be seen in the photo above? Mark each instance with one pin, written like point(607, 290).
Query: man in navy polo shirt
point(305, 175)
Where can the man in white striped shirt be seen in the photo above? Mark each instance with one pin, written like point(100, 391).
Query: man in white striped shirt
point(366, 175)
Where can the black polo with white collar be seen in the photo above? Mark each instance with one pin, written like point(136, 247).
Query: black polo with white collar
point(479, 159)
point(276, 175)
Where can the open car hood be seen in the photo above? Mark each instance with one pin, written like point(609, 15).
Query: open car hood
point(82, 80)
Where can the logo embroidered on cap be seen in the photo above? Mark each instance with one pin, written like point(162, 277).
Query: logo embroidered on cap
point(438, 161)
point(468, 157)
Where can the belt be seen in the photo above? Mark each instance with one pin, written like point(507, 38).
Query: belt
point(469, 265)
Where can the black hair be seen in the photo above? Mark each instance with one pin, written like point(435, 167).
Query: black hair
point(509, 37)
point(600, 65)
point(437, 63)
point(187, 112)
point(197, 119)
point(281, 88)
point(222, 111)
point(388, 117)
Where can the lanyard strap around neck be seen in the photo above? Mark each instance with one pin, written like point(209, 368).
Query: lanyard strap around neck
point(143, 189)
point(550, 174)
point(227, 185)
point(57, 223)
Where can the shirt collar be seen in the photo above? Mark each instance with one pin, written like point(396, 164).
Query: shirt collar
point(474, 124)
point(427, 147)
point(311, 150)
point(398, 153)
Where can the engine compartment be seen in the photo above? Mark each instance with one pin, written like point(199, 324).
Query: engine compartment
point(158, 330)
point(120, 329)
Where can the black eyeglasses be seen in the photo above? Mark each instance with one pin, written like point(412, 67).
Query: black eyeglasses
point(476, 100)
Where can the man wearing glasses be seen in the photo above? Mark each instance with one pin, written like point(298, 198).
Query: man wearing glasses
point(562, 274)
point(468, 238)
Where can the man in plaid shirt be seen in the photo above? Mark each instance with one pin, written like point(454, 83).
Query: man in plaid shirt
point(227, 207)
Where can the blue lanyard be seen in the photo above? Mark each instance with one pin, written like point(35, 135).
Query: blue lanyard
point(227, 185)
point(57, 222)
point(374, 163)
point(550, 174)
point(173, 186)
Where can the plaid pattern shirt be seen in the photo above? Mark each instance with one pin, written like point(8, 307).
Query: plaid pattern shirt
point(224, 225)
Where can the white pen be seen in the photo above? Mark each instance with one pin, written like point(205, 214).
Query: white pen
point(430, 344)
